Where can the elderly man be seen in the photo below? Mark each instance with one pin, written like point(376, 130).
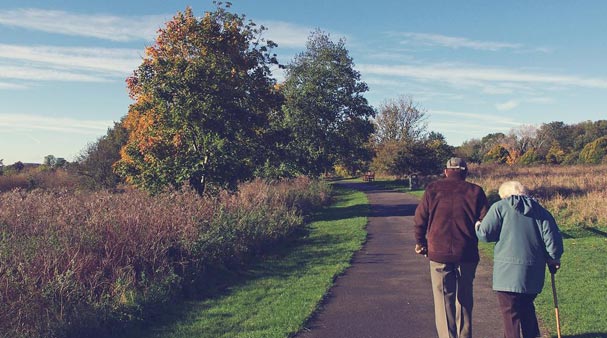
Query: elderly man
point(444, 231)
point(527, 239)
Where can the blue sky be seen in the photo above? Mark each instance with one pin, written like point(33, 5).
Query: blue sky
point(476, 67)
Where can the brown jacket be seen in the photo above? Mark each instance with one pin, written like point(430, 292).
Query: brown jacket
point(445, 218)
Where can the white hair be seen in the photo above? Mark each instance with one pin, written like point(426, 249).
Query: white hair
point(510, 188)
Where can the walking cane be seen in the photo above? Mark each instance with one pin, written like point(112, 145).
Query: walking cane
point(556, 306)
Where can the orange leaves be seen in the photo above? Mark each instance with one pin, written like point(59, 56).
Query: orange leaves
point(185, 91)
point(151, 52)
point(513, 156)
point(177, 140)
point(125, 157)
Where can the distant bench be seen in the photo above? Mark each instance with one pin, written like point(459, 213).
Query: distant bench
point(369, 176)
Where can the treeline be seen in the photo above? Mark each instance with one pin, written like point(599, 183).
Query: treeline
point(207, 112)
point(550, 143)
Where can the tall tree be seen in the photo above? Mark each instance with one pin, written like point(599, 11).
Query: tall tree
point(471, 150)
point(400, 120)
point(49, 161)
point(425, 156)
point(202, 98)
point(553, 133)
point(96, 161)
point(399, 123)
point(325, 110)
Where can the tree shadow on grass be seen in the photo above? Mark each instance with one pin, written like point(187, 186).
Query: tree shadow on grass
point(353, 211)
point(376, 186)
point(552, 191)
point(583, 232)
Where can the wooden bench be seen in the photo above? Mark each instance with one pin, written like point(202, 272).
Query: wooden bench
point(369, 176)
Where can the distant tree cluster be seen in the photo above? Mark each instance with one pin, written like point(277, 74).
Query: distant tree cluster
point(551, 143)
point(402, 144)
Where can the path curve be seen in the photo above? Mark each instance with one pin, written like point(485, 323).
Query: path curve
point(386, 292)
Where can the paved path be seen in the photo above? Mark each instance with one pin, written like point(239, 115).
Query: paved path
point(386, 292)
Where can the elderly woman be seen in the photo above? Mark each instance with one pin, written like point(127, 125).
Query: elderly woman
point(527, 239)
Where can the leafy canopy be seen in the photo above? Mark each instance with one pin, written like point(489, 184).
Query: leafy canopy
point(325, 110)
point(202, 96)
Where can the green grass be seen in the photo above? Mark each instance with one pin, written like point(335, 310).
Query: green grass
point(581, 286)
point(277, 294)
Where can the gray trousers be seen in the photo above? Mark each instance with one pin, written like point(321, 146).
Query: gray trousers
point(453, 301)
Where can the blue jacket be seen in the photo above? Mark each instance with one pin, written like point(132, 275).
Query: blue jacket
point(526, 235)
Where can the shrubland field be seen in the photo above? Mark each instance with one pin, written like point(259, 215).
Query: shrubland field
point(78, 262)
point(575, 195)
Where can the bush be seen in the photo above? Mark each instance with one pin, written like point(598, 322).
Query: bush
point(497, 154)
point(71, 263)
point(530, 157)
point(595, 151)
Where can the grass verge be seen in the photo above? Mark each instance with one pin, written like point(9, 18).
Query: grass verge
point(275, 295)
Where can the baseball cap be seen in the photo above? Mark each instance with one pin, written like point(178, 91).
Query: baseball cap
point(456, 163)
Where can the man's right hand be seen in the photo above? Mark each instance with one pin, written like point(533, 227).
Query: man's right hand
point(421, 249)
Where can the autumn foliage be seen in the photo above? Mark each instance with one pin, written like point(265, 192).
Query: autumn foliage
point(203, 95)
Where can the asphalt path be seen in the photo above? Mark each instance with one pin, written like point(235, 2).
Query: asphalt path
point(386, 292)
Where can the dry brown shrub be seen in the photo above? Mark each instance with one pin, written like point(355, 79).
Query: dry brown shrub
point(77, 258)
point(575, 195)
point(12, 182)
point(39, 177)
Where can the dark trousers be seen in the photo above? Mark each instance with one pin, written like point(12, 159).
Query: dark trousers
point(518, 313)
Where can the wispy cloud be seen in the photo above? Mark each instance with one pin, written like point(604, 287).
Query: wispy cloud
point(106, 27)
point(461, 126)
point(24, 123)
point(293, 36)
point(109, 60)
point(45, 74)
point(478, 118)
point(8, 85)
point(287, 35)
point(456, 132)
point(541, 100)
point(480, 76)
point(508, 105)
point(455, 42)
